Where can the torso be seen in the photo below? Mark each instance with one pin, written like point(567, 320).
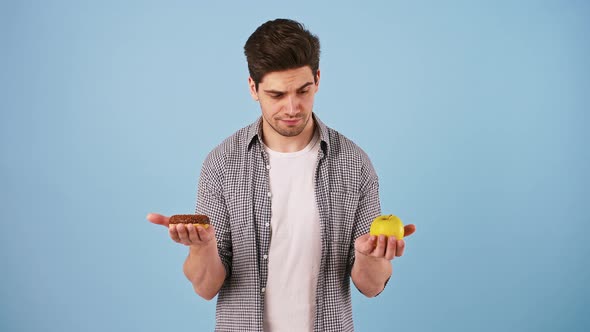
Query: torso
point(295, 247)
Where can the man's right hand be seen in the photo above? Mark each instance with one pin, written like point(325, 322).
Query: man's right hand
point(203, 266)
point(189, 235)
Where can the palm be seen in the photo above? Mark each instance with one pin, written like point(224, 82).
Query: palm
point(381, 246)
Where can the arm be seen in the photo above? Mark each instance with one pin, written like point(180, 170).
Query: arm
point(371, 256)
point(203, 266)
point(208, 267)
point(210, 250)
point(372, 268)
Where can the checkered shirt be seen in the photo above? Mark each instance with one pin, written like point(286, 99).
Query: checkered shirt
point(234, 192)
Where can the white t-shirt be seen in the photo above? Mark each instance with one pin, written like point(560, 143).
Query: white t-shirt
point(295, 245)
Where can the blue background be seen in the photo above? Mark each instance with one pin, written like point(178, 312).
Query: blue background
point(474, 114)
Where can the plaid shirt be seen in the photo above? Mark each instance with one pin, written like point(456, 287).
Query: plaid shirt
point(234, 192)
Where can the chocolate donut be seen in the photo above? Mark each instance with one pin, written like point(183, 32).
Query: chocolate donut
point(196, 219)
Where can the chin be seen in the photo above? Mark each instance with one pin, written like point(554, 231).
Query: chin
point(290, 131)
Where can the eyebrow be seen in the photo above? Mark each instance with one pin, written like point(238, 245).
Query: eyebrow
point(299, 89)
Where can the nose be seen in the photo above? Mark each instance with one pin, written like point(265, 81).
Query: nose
point(291, 105)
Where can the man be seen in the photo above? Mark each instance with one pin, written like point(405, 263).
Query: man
point(290, 200)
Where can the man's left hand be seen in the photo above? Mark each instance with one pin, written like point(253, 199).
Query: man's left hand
point(381, 246)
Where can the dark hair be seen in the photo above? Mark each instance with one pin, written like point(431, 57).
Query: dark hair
point(281, 44)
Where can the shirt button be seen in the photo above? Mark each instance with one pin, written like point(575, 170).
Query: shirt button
point(269, 194)
point(263, 289)
point(265, 256)
point(267, 224)
point(267, 166)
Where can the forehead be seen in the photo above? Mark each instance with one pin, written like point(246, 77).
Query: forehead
point(287, 79)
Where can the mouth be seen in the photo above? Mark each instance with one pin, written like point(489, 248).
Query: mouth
point(291, 122)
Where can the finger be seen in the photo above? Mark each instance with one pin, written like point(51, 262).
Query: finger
point(158, 219)
point(381, 245)
point(401, 245)
point(205, 235)
point(365, 244)
point(391, 248)
point(173, 233)
point(409, 230)
point(210, 232)
point(193, 236)
point(183, 234)
point(211, 229)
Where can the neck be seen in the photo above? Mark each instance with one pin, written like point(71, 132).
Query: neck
point(280, 143)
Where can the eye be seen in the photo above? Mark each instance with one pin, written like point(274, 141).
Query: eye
point(303, 92)
point(277, 96)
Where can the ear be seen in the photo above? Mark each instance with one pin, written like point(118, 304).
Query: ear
point(317, 80)
point(253, 91)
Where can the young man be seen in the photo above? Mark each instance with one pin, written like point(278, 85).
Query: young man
point(291, 202)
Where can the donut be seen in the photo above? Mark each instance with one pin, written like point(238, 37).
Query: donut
point(195, 219)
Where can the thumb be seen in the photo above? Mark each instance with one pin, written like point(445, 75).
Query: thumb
point(409, 230)
point(158, 219)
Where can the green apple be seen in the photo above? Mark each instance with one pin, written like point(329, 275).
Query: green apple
point(388, 225)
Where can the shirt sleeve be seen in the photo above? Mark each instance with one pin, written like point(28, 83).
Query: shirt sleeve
point(369, 208)
point(211, 202)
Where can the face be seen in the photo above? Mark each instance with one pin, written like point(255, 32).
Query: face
point(286, 99)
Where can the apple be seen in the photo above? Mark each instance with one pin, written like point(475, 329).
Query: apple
point(388, 225)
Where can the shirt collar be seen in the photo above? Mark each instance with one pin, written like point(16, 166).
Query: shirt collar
point(255, 133)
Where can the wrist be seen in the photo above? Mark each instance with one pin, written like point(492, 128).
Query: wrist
point(207, 249)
